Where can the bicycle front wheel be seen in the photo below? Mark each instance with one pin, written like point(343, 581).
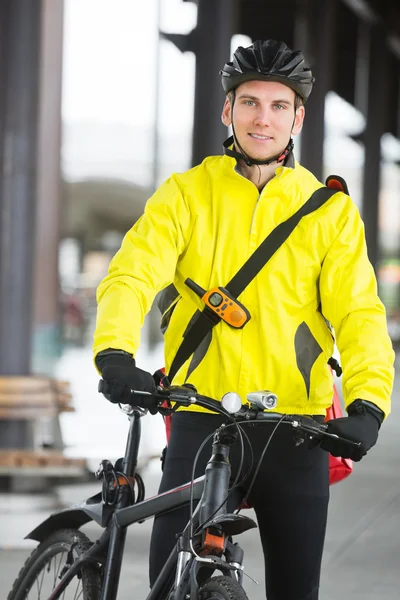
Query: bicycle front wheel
point(41, 573)
point(222, 588)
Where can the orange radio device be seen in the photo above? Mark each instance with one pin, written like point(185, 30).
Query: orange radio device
point(223, 304)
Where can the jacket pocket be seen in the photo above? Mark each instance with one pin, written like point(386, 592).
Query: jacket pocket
point(167, 302)
point(307, 351)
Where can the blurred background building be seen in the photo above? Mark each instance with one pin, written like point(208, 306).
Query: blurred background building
point(101, 101)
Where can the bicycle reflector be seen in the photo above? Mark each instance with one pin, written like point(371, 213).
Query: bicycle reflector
point(213, 542)
point(231, 402)
point(223, 304)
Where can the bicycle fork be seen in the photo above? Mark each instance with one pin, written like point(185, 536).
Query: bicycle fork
point(118, 534)
point(213, 504)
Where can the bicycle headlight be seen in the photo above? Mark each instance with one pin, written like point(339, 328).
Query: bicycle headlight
point(263, 399)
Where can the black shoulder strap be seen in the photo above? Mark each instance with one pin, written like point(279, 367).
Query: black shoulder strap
point(274, 241)
point(207, 318)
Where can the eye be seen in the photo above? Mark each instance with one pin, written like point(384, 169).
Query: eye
point(279, 106)
point(249, 102)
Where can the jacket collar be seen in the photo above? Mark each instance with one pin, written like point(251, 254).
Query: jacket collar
point(290, 162)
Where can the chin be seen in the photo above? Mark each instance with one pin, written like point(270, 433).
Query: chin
point(254, 155)
point(259, 156)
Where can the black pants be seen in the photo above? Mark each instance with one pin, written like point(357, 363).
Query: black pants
point(290, 497)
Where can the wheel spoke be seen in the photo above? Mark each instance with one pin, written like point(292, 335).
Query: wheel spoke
point(63, 596)
point(77, 589)
point(39, 587)
point(53, 566)
point(42, 570)
point(55, 572)
point(41, 583)
point(63, 560)
point(59, 567)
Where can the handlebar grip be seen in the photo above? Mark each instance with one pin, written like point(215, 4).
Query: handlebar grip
point(137, 398)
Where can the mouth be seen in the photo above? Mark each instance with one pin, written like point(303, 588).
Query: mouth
point(260, 138)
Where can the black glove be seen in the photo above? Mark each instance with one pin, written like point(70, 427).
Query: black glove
point(362, 425)
point(119, 370)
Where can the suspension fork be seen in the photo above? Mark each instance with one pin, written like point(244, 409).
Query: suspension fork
point(116, 547)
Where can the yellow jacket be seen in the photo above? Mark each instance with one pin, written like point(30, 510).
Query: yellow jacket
point(204, 224)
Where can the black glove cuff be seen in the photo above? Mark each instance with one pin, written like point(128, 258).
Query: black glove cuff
point(362, 407)
point(101, 358)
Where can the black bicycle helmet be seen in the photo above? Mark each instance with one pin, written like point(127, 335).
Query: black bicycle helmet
point(268, 61)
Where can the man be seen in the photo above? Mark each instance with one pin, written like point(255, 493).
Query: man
point(203, 225)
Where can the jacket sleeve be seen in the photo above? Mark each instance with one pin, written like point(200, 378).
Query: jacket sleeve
point(145, 264)
point(350, 302)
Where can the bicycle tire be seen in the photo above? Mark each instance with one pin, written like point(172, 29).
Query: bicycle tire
point(40, 560)
point(222, 588)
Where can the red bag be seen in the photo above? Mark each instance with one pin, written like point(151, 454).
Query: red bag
point(339, 468)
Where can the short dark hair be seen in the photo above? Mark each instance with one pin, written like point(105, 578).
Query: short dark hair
point(298, 101)
point(230, 95)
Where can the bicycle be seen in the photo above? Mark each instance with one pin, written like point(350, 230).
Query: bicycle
point(204, 547)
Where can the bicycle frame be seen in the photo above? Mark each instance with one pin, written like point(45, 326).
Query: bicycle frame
point(112, 541)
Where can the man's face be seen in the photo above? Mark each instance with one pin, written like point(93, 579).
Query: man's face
point(263, 116)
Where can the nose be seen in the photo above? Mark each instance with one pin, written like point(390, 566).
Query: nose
point(263, 116)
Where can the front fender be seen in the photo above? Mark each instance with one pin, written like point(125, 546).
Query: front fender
point(231, 524)
point(77, 515)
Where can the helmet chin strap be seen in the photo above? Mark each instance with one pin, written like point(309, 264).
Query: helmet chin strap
point(241, 155)
point(252, 161)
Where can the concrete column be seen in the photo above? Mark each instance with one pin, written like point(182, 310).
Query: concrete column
point(20, 48)
point(46, 294)
point(377, 105)
point(212, 42)
point(19, 100)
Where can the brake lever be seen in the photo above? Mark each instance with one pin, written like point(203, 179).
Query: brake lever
point(318, 430)
point(345, 440)
point(185, 396)
point(105, 388)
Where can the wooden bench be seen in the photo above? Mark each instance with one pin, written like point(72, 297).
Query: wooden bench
point(36, 399)
point(33, 397)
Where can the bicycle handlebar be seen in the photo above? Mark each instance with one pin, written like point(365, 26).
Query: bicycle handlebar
point(186, 396)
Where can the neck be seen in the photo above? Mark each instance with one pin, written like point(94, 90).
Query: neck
point(258, 174)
